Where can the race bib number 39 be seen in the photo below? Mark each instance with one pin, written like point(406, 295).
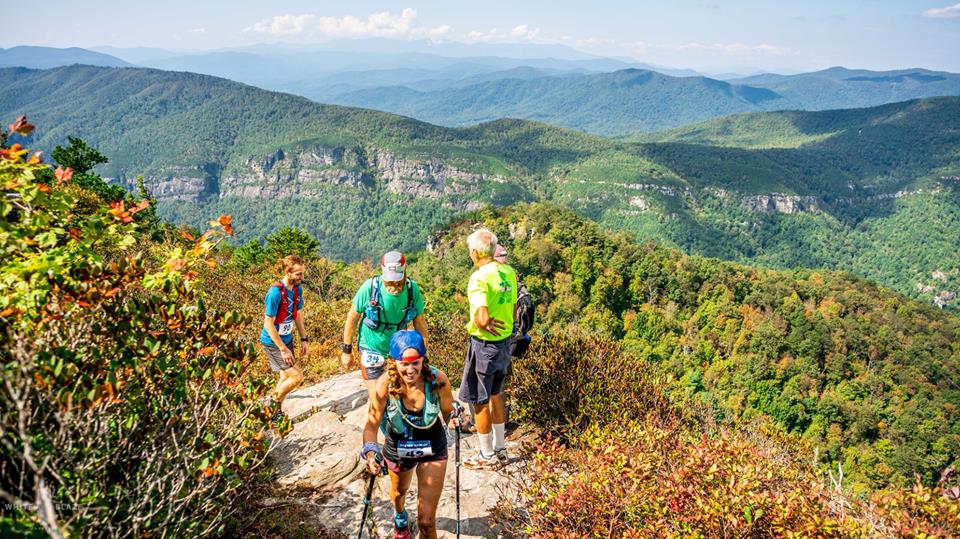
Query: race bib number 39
point(286, 328)
point(414, 449)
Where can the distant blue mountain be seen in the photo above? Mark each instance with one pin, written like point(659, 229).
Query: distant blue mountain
point(839, 87)
point(617, 103)
point(48, 57)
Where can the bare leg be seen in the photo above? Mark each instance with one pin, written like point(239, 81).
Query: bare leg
point(276, 390)
point(399, 485)
point(483, 419)
point(430, 477)
point(497, 413)
point(371, 389)
point(289, 380)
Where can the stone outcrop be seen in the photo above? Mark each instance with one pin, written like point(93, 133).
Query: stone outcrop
point(640, 202)
point(780, 203)
point(320, 455)
point(312, 172)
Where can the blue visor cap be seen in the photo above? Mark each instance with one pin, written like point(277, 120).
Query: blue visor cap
point(405, 340)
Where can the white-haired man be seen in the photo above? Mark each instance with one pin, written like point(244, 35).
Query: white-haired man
point(492, 293)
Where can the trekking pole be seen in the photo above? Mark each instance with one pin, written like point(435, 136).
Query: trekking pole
point(366, 499)
point(460, 414)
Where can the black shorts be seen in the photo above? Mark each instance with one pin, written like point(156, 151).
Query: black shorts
point(436, 436)
point(485, 370)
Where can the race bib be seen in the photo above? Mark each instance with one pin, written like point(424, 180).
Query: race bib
point(414, 449)
point(371, 359)
point(285, 328)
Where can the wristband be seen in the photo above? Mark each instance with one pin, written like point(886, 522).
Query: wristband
point(367, 447)
point(304, 339)
point(346, 348)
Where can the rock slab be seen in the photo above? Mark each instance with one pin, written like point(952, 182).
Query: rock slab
point(321, 454)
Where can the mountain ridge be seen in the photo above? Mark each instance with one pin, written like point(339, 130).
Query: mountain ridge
point(209, 146)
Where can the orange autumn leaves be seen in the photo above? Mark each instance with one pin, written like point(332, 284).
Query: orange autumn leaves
point(16, 151)
point(224, 221)
point(124, 214)
point(21, 126)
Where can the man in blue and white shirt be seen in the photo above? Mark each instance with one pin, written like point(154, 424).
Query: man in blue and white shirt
point(283, 311)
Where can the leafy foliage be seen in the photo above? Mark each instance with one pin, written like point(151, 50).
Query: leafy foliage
point(856, 371)
point(126, 405)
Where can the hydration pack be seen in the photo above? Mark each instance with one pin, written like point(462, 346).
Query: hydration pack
point(401, 425)
point(525, 312)
point(374, 317)
point(523, 322)
point(282, 308)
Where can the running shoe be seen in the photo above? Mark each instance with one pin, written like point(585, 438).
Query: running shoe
point(480, 462)
point(502, 456)
point(401, 528)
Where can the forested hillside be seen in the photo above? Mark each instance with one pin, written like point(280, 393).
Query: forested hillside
point(617, 103)
point(868, 377)
point(836, 189)
point(664, 392)
point(638, 101)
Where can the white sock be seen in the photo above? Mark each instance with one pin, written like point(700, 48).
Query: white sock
point(486, 444)
point(499, 440)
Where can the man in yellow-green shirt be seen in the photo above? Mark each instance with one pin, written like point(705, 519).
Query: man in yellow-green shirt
point(492, 293)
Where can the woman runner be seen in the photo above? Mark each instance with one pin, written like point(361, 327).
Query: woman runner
point(411, 405)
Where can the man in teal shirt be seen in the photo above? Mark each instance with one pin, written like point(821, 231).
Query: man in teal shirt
point(492, 293)
point(382, 306)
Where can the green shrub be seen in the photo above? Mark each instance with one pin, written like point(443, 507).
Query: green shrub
point(126, 408)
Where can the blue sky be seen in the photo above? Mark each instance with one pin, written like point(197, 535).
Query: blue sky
point(712, 35)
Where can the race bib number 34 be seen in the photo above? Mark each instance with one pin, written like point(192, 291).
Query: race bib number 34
point(371, 359)
point(414, 449)
point(286, 328)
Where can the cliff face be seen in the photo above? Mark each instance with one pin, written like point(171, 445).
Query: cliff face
point(343, 172)
point(776, 202)
point(320, 172)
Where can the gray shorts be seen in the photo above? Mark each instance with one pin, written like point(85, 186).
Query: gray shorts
point(485, 370)
point(275, 358)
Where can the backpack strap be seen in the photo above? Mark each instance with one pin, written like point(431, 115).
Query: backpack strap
point(375, 292)
point(282, 308)
point(281, 315)
point(296, 301)
point(411, 311)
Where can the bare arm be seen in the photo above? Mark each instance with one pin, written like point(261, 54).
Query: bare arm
point(482, 319)
point(375, 410)
point(300, 328)
point(420, 324)
point(350, 326)
point(349, 332)
point(272, 331)
point(303, 335)
point(374, 415)
point(446, 399)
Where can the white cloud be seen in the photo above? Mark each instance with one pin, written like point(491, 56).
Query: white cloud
point(380, 24)
point(736, 49)
point(946, 12)
point(283, 25)
point(198, 31)
point(519, 33)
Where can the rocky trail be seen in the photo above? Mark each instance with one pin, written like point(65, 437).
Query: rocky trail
point(319, 457)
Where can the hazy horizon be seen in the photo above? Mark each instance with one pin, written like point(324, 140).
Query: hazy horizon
point(742, 36)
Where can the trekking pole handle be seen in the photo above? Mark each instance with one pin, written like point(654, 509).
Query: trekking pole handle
point(457, 414)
